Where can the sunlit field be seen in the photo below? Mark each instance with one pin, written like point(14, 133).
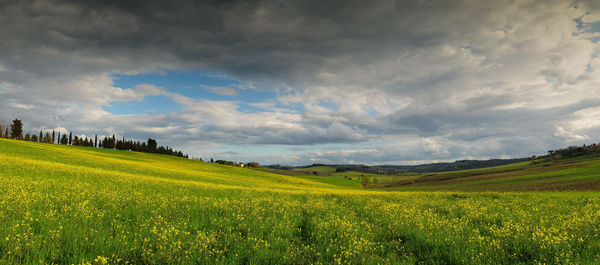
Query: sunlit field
point(80, 205)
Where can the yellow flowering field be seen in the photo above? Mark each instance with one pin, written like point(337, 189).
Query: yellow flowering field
point(79, 205)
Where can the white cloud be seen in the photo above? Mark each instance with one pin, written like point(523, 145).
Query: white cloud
point(433, 146)
point(220, 90)
point(148, 90)
point(569, 136)
point(20, 106)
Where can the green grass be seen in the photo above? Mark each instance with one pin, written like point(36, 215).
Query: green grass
point(319, 169)
point(334, 179)
point(78, 205)
point(328, 175)
point(578, 173)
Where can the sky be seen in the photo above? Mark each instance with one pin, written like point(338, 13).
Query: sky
point(302, 82)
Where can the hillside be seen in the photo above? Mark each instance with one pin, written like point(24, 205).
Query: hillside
point(93, 163)
point(450, 166)
point(403, 169)
point(80, 205)
point(543, 174)
point(575, 173)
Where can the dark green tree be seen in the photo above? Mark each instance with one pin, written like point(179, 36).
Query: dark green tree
point(53, 139)
point(109, 143)
point(41, 137)
point(253, 164)
point(47, 138)
point(16, 129)
point(364, 180)
point(70, 138)
point(64, 139)
point(152, 145)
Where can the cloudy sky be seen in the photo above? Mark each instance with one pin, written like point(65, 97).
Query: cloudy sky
point(301, 82)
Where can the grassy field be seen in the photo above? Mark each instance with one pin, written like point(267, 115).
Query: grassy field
point(571, 174)
point(78, 205)
point(328, 175)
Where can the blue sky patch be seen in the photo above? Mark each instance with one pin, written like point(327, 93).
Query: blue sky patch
point(372, 112)
point(579, 23)
point(593, 27)
point(587, 28)
point(193, 84)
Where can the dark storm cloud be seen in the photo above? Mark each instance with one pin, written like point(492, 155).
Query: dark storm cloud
point(447, 75)
point(274, 39)
point(489, 121)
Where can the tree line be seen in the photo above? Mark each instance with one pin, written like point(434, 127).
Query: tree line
point(572, 151)
point(231, 163)
point(15, 131)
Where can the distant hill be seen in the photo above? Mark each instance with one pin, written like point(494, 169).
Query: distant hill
point(401, 169)
point(453, 166)
point(572, 173)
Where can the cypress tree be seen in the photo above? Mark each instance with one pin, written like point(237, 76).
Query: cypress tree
point(16, 129)
point(58, 138)
point(96, 141)
point(41, 137)
point(6, 133)
point(53, 137)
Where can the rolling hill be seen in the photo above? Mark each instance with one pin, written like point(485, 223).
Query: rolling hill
point(580, 173)
point(80, 205)
point(575, 173)
point(403, 169)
